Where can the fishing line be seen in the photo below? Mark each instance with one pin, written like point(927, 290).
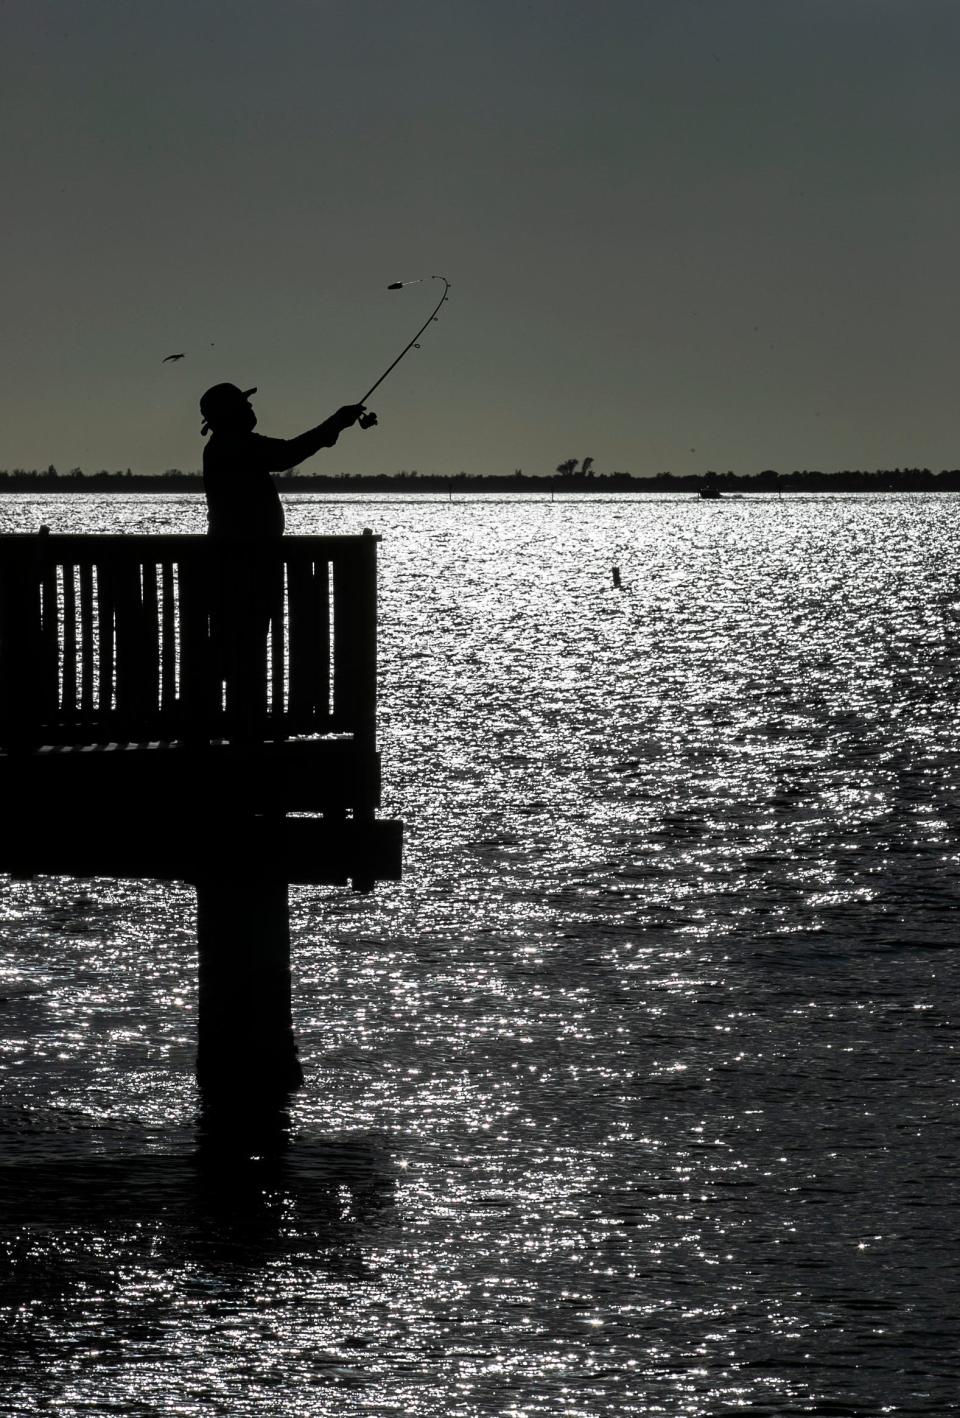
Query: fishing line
point(367, 420)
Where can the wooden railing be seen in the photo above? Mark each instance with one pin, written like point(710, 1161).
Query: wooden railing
point(119, 639)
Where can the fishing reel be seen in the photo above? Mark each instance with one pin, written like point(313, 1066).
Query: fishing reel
point(367, 420)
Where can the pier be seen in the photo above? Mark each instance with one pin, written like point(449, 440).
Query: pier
point(182, 708)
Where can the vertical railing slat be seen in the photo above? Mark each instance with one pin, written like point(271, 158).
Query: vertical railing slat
point(343, 642)
point(68, 692)
point(150, 634)
point(302, 609)
point(105, 646)
point(47, 671)
point(277, 606)
point(128, 647)
point(198, 699)
point(168, 649)
point(354, 662)
point(239, 640)
point(322, 657)
point(86, 640)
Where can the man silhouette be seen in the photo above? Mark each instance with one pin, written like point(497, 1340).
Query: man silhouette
point(244, 512)
point(242, 500)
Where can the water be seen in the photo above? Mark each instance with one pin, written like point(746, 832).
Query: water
point(638, 1095)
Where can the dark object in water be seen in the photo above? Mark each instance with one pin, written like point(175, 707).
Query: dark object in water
point(710, 494)
point(616, 578)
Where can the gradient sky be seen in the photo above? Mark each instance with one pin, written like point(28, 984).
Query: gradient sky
point(682, 234)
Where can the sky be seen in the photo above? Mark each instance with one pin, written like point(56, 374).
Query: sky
point(680, 234)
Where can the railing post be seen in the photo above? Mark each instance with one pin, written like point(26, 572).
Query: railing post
point(367, 643)
point(355, 641)
point(20, 644)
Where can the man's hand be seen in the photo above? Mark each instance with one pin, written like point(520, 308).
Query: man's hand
point(349, 415)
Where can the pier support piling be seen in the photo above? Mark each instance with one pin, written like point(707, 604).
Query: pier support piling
point(245, 1041)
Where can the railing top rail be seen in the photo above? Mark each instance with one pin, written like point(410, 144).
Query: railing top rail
point(169, 541)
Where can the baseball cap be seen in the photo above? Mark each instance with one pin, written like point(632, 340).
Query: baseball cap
point(221, 395)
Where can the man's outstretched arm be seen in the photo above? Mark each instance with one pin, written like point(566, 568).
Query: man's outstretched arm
point(284, 453)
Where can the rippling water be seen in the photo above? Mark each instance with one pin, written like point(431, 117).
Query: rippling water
point(638, 1095)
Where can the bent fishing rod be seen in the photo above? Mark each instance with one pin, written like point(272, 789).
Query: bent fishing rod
point(368, 420)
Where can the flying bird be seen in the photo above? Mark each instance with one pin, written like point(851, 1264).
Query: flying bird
point(166, 359)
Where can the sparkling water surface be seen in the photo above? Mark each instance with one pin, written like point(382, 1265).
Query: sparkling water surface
point(638, 1094)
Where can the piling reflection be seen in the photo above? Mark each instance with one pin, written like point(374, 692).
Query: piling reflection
point(129, 1238)
point(261, 1187)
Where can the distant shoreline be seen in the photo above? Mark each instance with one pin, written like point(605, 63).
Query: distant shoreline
point(767, 482)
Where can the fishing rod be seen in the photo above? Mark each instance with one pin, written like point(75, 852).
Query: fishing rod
point(367, 420)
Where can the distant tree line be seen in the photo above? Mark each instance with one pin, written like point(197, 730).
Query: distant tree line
point(572, 475)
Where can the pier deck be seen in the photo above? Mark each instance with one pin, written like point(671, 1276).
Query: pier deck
point(167, 701)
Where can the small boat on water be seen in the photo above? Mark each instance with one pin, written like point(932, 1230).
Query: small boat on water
point(709, 494)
